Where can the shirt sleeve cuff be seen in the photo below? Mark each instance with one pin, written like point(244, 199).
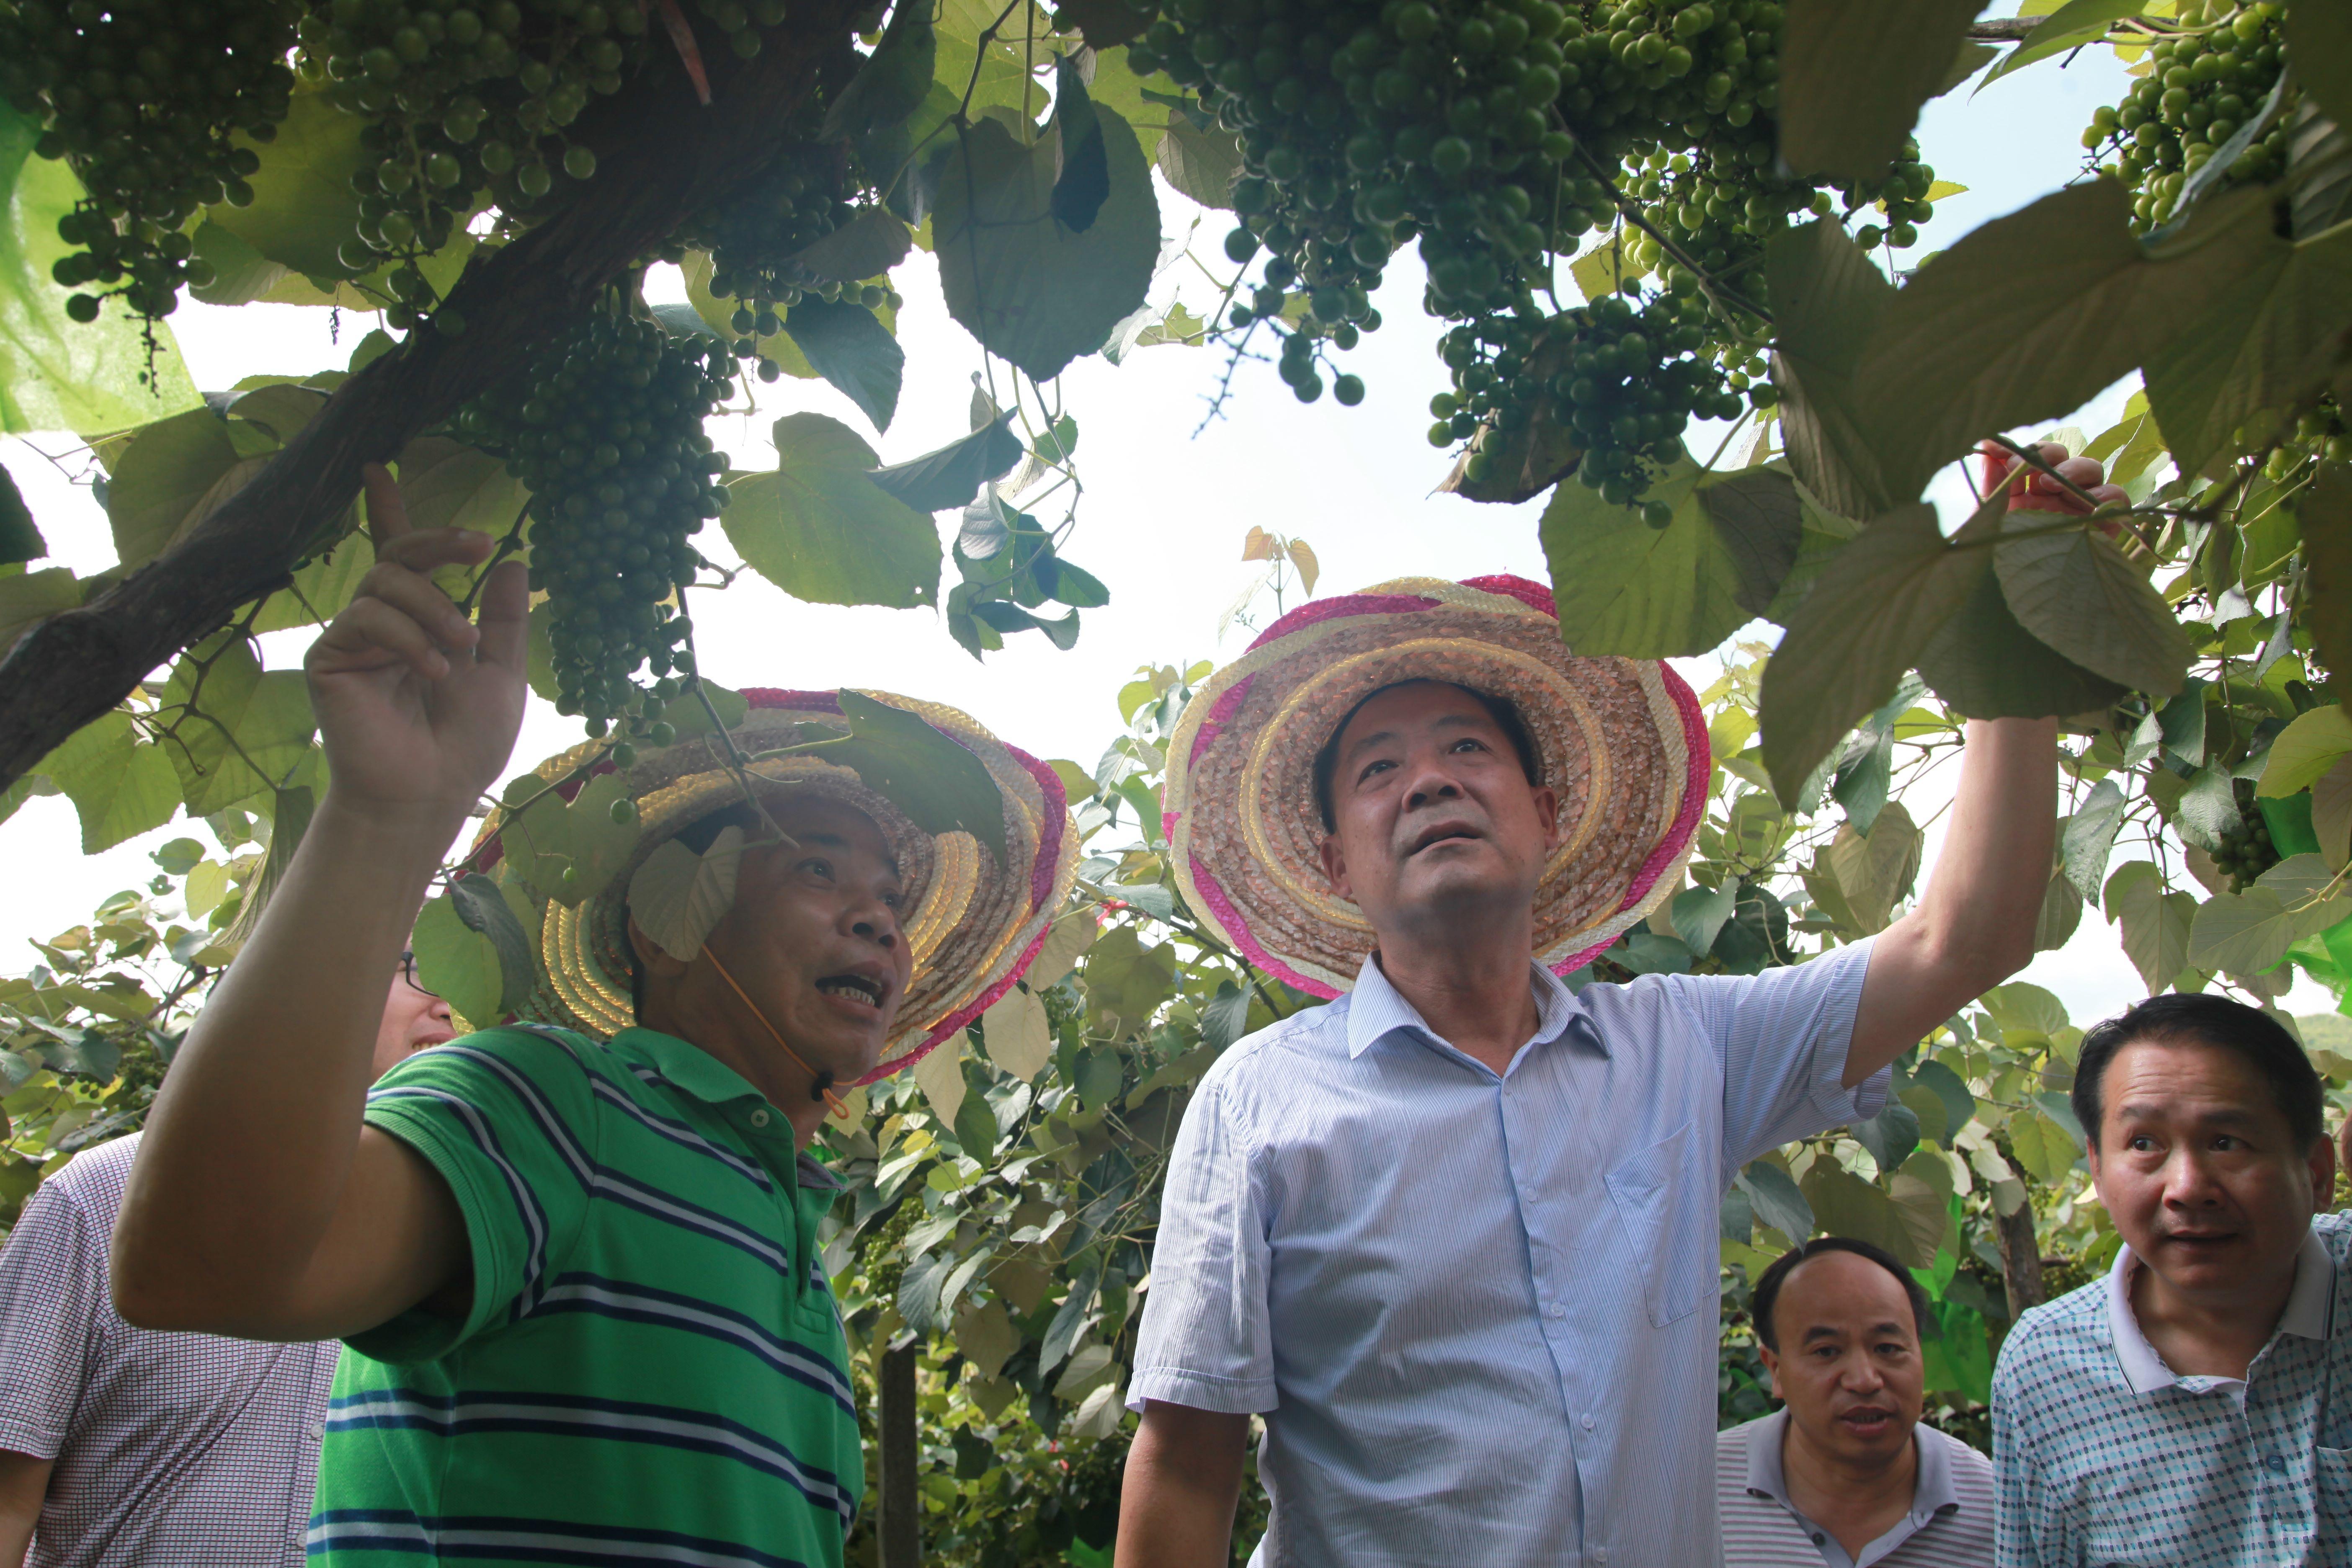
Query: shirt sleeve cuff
point(420, 1334)
point(24, 1438)
point(1200, 1391)
point(1837, 1103)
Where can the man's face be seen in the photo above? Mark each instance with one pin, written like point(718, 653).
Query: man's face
point(1434, 814)
point(813, 935)
point(2204, 1179)
point(1848, 1363)
point(413, 1018)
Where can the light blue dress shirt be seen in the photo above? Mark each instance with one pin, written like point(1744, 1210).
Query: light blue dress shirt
point(2106, 1457)
point(1479, 1312)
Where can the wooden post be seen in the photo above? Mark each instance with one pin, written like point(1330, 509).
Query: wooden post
point(900, 1526)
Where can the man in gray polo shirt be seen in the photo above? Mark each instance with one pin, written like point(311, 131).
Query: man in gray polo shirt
point(1843, 1475)
point(122, 1446)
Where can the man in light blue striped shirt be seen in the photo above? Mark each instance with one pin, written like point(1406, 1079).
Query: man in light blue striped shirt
point(1453, 1236)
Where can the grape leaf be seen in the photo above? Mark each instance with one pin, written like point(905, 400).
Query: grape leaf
point(952, 475)
point(2033, 314)
point(2076, 594)
point(2155, 923)
point(1019, 278)
point(56, 373)
point(1873, 610)
point(119, 784)
point(1853, 74)
point(1624, 587)
point(1828, 298)
point(847, 345)
point(458, 963)
point(821, 529)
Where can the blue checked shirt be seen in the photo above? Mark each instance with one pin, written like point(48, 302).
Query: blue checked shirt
point(2105, 1459)
point(1478, 1313)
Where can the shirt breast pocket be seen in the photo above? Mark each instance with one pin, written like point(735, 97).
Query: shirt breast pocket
point(1663, 1200)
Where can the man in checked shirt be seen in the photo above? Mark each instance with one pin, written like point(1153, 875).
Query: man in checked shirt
point(123, 1445)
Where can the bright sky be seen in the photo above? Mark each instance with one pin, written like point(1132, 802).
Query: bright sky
point(1161, 522)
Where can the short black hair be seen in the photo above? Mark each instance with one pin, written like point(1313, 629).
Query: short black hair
point(2181, 1018)
point(1767, 1288)
point(1501, 710)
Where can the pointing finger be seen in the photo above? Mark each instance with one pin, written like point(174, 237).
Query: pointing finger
point(387, 513)
point(506, 617)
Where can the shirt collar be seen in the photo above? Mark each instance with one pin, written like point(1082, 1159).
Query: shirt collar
point(684, 1066)
point(1932, 1489)
point(1377, 1009)
point(2310, 1314)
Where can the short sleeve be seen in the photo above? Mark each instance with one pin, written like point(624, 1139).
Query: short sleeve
point(1780, 1038)
point(1206, 1342)
point(508, 1118)
point(53, 1301)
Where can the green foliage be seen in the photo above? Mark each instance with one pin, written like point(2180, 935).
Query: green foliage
point(1001, 243)
point(824, 531)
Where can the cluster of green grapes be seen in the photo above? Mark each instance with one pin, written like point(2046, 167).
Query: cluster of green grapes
point(2246, 850)
point(753, 243)
point(140, 96)
point(606, 431)
point(466, 97)
point(1490, 131)
point(2200, 89)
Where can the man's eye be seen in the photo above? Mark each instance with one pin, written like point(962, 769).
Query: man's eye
point(1467, 745)
point(893, 900)
point(815, 868)
point(2141, 1143)
point(1371, 768)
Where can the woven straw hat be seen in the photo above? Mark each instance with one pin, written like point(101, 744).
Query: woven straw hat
point(1620, 740)
point(974, 925)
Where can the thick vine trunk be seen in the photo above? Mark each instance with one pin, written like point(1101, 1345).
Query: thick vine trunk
point(2020, 1256)
point(662, 158)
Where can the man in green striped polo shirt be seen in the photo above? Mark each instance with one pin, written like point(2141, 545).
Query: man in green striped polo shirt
point(574, 1259)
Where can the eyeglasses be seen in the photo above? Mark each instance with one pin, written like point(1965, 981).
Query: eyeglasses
point(408, 973)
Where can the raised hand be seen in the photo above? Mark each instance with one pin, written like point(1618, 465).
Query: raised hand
point(418, 707)
point(2029, 490)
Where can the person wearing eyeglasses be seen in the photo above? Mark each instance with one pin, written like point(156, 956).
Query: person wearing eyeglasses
point(121, 1445)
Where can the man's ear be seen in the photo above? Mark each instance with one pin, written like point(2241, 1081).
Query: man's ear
point(652, 955)
point(1772, 1369)
point(2323, 1173)
point(1334, 867)
point(1547, 801)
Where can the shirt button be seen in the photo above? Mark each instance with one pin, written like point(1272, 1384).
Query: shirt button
point(1587, 1423)
point(319, 1431)
point(2277, 1462)
point(1556, 1310)
point(758, 1119)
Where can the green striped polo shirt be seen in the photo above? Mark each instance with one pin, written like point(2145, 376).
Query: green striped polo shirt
point(652, 1368)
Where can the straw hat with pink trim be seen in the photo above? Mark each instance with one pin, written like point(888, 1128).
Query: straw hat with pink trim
point(1622, 739)
point(975, 923)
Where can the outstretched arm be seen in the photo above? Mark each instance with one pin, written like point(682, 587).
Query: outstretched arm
point(1973, 928)
point(259, 1206)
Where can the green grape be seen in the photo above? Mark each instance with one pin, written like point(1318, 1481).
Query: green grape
point(143, 99)
point(1494, 135)
point(606, 431)
point(2198, 91)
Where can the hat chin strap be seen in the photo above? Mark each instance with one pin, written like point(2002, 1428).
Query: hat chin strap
point(822, 1088)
